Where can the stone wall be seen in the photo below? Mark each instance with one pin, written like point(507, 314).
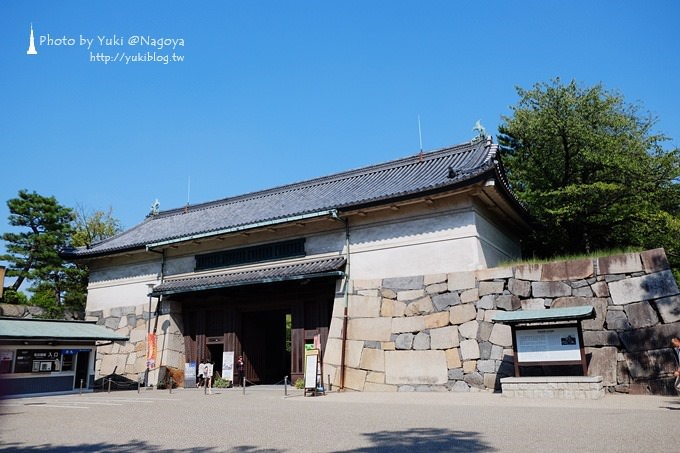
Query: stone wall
point(129, 358)
point(435, 332)
point(32, 311)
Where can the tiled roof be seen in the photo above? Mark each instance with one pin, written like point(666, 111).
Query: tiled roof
point(55, 330)
point(283, 272)
point(418, 174)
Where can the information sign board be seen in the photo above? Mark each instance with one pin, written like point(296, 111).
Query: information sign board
point(547, 344)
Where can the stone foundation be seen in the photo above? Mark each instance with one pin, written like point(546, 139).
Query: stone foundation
point(558, 387)
point(129, 358)
point(434, 332)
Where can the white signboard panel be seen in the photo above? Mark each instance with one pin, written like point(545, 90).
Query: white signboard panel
point(228, 365)
point(548, 345)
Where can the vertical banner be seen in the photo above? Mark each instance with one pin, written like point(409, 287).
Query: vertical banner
point(228, 365)
point(151, 351)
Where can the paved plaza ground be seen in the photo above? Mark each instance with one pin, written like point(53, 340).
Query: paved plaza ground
point(264, 420)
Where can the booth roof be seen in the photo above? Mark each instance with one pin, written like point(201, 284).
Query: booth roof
point(24, 329)
point(552, 314)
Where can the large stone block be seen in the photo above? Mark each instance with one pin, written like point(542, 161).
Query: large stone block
point(501, 335)
point(533, 304)
point(531, 272)
point(366, 284)
point(484, 331)
point(375, 387)
point(641, 314)
point(392, 308)
point(469, 295)
point(600, 306)
point(371, 329)
point(669, 308)
point(355, 379)
point(434, 320)
point(469, 350)
point(421, 341)
point(593, 338)
point(444, 337)
point(494, 273)
point(437, 288)
point(408, 324)
point(647, 287)
point(600, 289)
point(469, 329)
point(602, 363)
point(617, 320)
point(404, 341)
point(654, 260)
point(493, 287)
point(646, 364)
point(363, 306)
point(453, 358)
point(411, 294)
point(619, 264)
point(567, 270)
point(402, 283)
point(550, 289)
point(521, 288)
point(487, 302)
point(353, 349)
point(433, 279)
point(649, 338)
point(415, 367)
point(372, 360)
point(443, 301)
point(508, 302)
point(462, 280)
point(333, 351)
point(421, 306)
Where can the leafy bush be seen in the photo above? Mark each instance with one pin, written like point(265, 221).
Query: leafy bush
point(299, 383)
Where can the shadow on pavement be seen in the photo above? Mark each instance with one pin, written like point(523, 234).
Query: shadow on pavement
point(424, 439)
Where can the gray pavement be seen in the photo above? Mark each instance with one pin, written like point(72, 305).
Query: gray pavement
point(263, 420)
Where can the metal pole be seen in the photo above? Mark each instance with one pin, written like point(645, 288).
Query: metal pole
point(81, 387)
point(109, 385)
point(330, 385)
point(137, 386)
point(244, 385)
point(170, 385)
point(285, 386)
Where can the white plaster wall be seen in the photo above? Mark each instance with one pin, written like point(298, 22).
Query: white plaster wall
point(495, 246)
point(121, 294)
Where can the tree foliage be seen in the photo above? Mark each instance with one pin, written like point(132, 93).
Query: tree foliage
point(45, 228)
point(591, 171)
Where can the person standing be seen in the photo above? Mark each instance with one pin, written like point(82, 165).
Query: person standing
point(201, 374)
point(240, 369)
point(209, 369)
point(675, 342)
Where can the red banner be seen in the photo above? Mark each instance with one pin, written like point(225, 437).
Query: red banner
point(151, 350)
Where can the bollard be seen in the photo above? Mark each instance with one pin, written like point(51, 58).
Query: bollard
point(109, 385)
point(330, 385)
point(244, 385)
point(285, 386)
point(205, 389)
point(81, 386)
point(170, 385)
point(137, 386)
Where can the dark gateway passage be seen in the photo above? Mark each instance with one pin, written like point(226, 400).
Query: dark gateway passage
point(269, 324)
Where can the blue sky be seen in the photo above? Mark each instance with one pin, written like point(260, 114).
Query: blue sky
point(273, 92)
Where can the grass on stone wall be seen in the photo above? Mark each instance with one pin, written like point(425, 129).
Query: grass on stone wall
point(573, 257)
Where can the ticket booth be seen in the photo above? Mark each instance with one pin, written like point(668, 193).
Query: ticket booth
point(49, 357)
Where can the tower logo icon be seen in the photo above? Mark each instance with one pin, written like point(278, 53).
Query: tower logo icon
point(31, 44)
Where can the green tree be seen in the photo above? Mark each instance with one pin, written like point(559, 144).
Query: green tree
point(591, 171)
point(33, 253)
point(91, 227)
